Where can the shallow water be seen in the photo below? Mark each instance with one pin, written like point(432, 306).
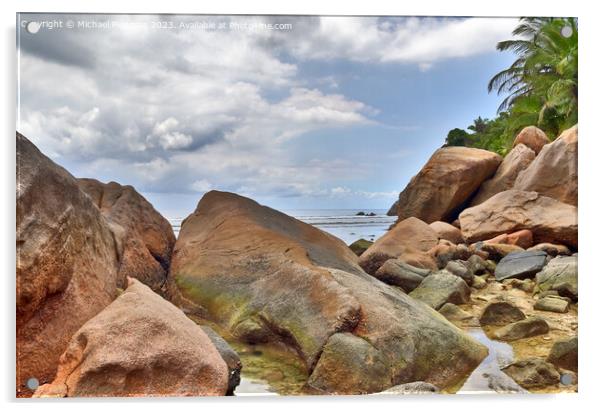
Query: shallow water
point(488, 378)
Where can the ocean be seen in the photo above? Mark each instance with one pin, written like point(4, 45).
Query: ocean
point(342, 223)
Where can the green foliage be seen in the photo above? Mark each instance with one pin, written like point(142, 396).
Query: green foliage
point(457, 137)
point(541, 85)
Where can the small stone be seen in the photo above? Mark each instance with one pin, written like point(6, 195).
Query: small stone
point(528, 327)
point(552, 304)
point(533, 373)
point(501, 313)
point(564, 354)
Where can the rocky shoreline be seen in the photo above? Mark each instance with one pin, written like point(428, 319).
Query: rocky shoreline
point(109, 303)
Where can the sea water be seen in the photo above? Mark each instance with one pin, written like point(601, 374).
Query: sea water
point(342, 223)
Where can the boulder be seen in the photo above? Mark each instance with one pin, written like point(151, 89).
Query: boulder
point(229, 356)
point(560, 275)
point(139, 345)
point(553, 304)
point(359, 246)
point(531, 137)
point(552, 250)
point(447, 232)
point(476, 265)
point(446, 183)
point(517, 160)
point(445, 251)
point(527, 285)
point(393, 211)
point(67, 262)
point(461, 269)
point(501, 313)
point(549, 220)
point(400, 274)
point(412, 388)
point(533, 373)
point(522, 264)
point(409, 240)
point(267, 277)
point(147, 237)
point(564, 354)
point(521, 238)
point(529, 327)
point(440, 288)
point(553, 173)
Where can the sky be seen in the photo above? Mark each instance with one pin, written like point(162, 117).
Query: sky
point(296, 112)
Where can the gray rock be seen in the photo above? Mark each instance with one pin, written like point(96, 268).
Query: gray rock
point(528, 327)
point(396, 272)
point(533, 373)
point(522, 264)
point(501, 313)
point(564, 354)
point(559, 275)
point(412, 388)
point(460, 269)
point(553, 304)
point(229, 356)
point(476, 265)
point(440, 288)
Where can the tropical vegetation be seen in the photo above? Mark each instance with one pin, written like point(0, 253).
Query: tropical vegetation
point(539, 87)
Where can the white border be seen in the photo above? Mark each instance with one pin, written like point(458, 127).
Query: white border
point(590, 203)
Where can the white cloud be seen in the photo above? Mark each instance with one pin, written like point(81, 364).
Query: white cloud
point(202, 186)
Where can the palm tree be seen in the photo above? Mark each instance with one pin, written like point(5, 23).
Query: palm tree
point(541, 85)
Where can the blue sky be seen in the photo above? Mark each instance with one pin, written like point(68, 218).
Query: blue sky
point(331, 113)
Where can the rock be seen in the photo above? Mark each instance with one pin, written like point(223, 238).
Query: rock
point(479, 283)
point(532, 137)
point(476, 265)
point(148, 238)
point(553, 173)
point(517, 160)
point(446, 182)
point(501, 313)
point(564, 354)
point(440, 288)
point(460, 269)
point(445, 251)
point(400, 274)
point(360, 213)
point(498, 251)
point(523, 264)
point(560, 275)
point(67, 262)
point(521, 238)
point(365, 367)
point(454, 313)
point(526, 285)
point(409, 240)
point(549, 220)
point(412, 388)
point(229, 356)
point(553, 304)
point(393, 211)
point(359, 246)
point(139, 345)
point(533, 373)
point(529, 327)
point(265, 276)
point(551, 249)
point(447, 232)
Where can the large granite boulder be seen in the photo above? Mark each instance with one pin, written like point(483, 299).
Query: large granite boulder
point(394, 209)
point(67, 261)
point(560, 275)
point(139, 345)
point(265, 276)
point(532, 137)
point(553, 173)
point(440, 288)
point(446, 183)
point(147, 237)
point(520, 264)
point(409, 241)
point(548, 220)
point(447, 232)
point(400, 274)
point(517, 160)
point(230, 357)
